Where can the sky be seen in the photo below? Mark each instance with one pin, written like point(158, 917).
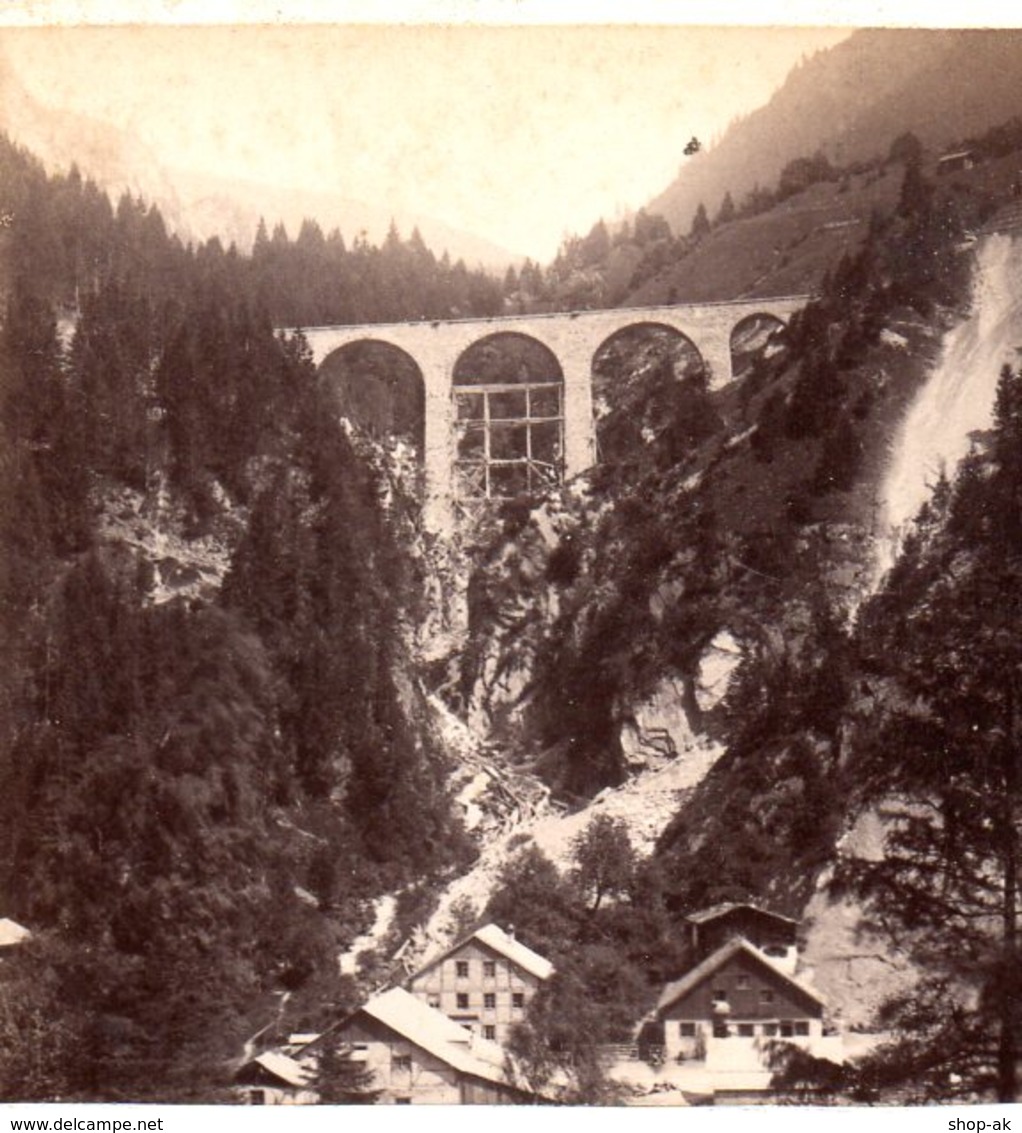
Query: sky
point(518, 134)
point(516, 130)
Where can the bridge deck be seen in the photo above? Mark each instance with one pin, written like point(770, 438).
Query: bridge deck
point(764, 301)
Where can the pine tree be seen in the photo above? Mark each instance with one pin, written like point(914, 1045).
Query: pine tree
point(727, 210)
point(946, 764)
point(341, 1079)
point(261, 243)
point(906, 149)
point(700, 223)
point(916, 193)
point(510, 280)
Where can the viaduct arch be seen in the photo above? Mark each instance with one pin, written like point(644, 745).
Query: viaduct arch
point(573, 339)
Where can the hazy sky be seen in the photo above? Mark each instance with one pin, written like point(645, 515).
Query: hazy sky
point(518, 134)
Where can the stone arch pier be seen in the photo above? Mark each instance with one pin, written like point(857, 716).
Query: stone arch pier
point(546, 405)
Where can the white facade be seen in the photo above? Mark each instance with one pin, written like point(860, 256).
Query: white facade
point(485, 983)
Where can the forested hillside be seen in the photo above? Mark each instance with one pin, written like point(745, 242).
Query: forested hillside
point(219, 741)
point(198, 794)
point(849, 102)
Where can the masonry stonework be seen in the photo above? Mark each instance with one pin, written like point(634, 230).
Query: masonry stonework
point(574, 338)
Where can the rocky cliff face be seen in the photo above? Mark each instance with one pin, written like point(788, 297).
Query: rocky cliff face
point(851, 963)
point(725, 695)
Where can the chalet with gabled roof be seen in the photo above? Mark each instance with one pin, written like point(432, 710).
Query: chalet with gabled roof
point(274, 1078)
point(483, 982)
point(738, 992)
point(418, 1056)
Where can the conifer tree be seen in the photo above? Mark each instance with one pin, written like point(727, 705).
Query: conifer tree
point(341, 1079)
point(946, 765)
point(727, 210)
point(700, 223)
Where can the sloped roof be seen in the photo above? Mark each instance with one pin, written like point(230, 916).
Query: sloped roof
point(286, 1069)
point(12, 933)
point(674, 991)
point(434, 1032)
point(404, 1013)
point(518, 953)
point(716, 911)
point(493, 936)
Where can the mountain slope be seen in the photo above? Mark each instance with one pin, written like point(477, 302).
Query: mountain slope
point(231, 209)
point(197, 206)
point(850, 102)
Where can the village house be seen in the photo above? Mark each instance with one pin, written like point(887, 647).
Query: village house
point(12, 933)
point(955, 162)
point(483, 982)
point(273, 1078)
point(419, 1057)
point(717, 1032)
point(738, 993)
point(772, 933)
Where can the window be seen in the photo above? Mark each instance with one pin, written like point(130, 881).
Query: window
point(766, 995)
point(489, 1001)
point(461, 969)
point(746, 1030)
point(434, 1002)
point(720, 995)
point(801, 1028)
point(462, 999)
point(257, 1097)
point(770, 1030)
point(402, 1062)
point(489, 1032)
point(687, 1030)
point(518, 999)
point(489, 969)
point(402, 1101)
point(743, 983)
point(720, 1030)
point(787, 1030)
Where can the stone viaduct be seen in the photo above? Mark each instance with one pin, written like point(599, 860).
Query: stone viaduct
point(573, 338)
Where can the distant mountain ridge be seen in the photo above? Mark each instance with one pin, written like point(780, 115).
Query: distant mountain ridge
point(231, 209)
point(850, 102)
point(199, 206)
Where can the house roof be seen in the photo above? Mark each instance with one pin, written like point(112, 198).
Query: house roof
point(404, 1013)
point(431, 1030)
point(691, 979)
point(286, 1069)
point(703, 916)
point(518, 953)
point(12, 933)
point(493, 936)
